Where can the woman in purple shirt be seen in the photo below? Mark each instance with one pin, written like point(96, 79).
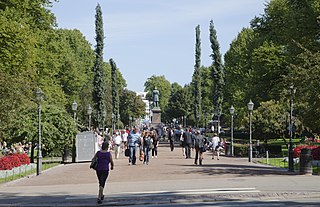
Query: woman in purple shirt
point(102, 170)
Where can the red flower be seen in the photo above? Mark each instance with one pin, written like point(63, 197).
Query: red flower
point(15, 160)
point(316, 153)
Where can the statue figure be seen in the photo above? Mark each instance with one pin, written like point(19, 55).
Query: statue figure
point(155, 93)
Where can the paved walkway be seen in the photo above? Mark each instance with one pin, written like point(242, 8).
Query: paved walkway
point(168, 179)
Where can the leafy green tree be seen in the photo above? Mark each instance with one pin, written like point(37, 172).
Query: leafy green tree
point(176, 105)
point(98, 80)
point(164, 87)
point(196, 78)
point(305, 78)
point(131, 105)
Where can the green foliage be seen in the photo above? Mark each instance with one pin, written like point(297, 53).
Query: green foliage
point(130, 105)
point(196, 78)
point(177, 106)
point(280, 49)
point(270, 120)
point(217, 73)
point(98, 79)
point(164, 87)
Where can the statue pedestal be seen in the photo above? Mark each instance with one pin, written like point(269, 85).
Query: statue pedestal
point(156, 117)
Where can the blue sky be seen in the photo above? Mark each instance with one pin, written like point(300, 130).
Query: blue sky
point(157, 37)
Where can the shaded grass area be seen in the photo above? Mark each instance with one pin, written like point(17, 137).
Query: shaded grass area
point(45, 166)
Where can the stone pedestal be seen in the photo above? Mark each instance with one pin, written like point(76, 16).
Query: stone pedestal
point(156, 117)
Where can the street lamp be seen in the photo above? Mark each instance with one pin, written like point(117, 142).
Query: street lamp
point(130, 121)
point(118, 120)
point(89, 114)
point(74, 109)
point(205, 121)
point(113, 121)
point(292, 92)
point(39, 97)
point(215, 114)
point(104, 115)
point(250, 108)
point(232, 113)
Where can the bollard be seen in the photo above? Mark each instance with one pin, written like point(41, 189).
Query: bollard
point(305, 162)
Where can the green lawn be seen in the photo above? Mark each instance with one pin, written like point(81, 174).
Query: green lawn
point(279, 162)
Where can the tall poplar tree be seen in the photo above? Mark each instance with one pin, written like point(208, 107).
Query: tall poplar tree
point(115, 95)
point(196, 79)
point(217, 71)
point(98, 79)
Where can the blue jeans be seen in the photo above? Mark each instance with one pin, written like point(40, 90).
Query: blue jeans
point(132, 158)
point(146, 151)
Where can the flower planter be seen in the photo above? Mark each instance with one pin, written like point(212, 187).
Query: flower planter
point(17, 170)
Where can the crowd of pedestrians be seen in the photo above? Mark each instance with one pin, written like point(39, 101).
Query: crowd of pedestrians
point(142, 144)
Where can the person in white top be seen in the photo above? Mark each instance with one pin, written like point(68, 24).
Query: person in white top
point(117, 143)
point(124, 136)
point(215, 145)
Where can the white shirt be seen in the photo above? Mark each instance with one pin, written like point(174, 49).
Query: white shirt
point(125, 137)
point(117, 140)
point(215, 141)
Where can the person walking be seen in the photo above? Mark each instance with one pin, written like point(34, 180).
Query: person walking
point(146, 143)
point(133, 142)
point(117, 144)
point(215, 145)
point(171, 139)
point(199, 145)
point(102, 170)
point(188, 140)
point(155, 142)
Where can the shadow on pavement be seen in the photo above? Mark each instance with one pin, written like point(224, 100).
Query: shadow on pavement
point(147, 199)
point(237, 170)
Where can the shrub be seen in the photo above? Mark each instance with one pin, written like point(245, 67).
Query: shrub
point(5, 163)
point(315, 151)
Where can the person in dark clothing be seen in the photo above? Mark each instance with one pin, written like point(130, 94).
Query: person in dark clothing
point(171, 139)
point(188, 138)
point(102, 170)
point(155, 142)
point(199, 145)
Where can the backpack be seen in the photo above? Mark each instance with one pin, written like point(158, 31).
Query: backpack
point(146, 141)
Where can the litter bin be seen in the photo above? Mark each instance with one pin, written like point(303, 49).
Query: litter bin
point(305, 162)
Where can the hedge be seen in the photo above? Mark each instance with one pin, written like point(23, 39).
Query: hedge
point(14, 160)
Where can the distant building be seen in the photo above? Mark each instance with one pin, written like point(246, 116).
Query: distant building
point(143, 96)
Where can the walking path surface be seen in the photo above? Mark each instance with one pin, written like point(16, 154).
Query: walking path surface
point(168, 179)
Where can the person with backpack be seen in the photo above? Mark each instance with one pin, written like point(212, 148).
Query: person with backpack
point(146, 143)
point(199, 145)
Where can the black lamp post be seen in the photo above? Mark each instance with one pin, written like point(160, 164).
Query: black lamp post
point(205, 121)
point(89, 114)
point(130, 121)
point(113, 122)
point(104, 115)
point(250, 108)
point(118, 120)
point(215, 114)
point(232, 113)
point(74, 109)
point(39, 97)
point(292, 92)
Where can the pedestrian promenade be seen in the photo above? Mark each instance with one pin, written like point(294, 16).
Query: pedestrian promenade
point(169, 179)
